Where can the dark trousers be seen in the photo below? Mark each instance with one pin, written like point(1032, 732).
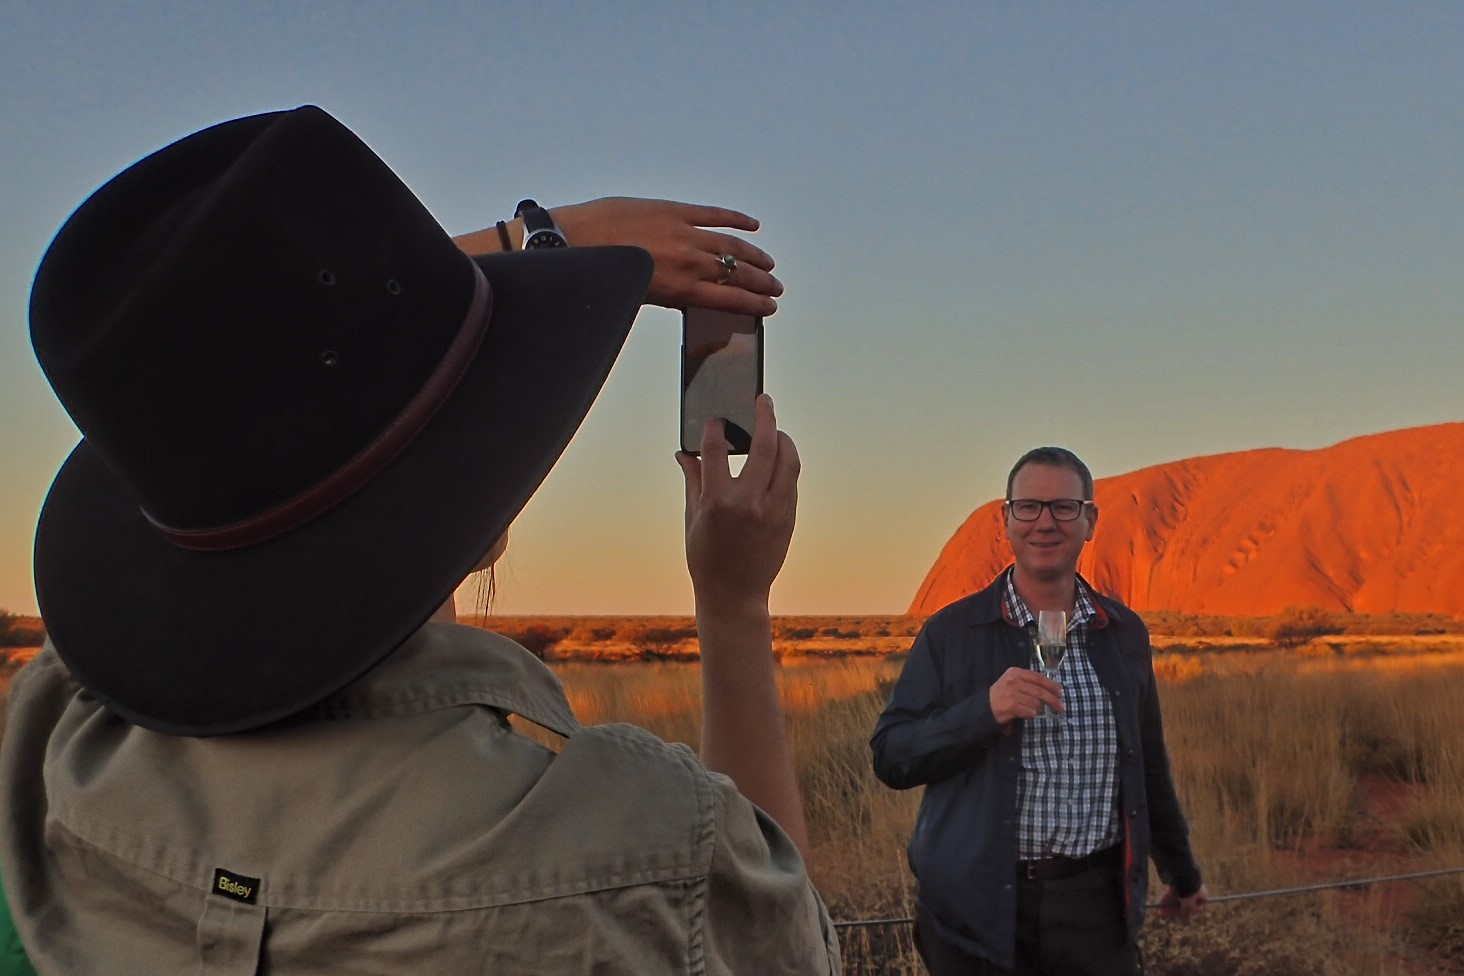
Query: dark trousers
point(1072, 926)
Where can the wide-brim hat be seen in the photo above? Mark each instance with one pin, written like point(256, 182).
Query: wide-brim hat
point(306, 415)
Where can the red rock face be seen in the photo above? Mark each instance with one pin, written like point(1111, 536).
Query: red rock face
point(1372, 525)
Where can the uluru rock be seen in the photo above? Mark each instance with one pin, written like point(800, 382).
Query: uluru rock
point(1372, 525)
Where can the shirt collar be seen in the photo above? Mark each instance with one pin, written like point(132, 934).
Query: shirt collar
point(1087, 611)
point(443, 665)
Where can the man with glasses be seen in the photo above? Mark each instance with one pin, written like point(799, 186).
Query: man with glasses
point(1032, 844)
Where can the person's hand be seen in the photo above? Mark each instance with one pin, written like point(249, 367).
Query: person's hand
point(688, 269)
point(738, 528)
point(1173, 906)
point(1018, 693)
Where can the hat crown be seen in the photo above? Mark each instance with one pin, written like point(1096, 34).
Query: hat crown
point(239, 314)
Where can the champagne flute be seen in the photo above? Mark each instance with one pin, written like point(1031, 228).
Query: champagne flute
point(1051, 649)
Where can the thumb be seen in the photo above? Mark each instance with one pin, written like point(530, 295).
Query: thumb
point(691, 471)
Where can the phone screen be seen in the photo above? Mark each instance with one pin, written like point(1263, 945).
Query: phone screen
point(721, 375)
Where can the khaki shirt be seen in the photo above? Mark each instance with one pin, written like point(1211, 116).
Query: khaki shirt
point(400, 827)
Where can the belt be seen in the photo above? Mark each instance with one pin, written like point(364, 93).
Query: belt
point(1052, 868)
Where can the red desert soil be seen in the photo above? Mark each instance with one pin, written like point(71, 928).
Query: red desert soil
point(1369, 525)
point(1375, 849)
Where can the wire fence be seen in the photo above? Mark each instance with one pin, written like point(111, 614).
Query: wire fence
point(887, 945)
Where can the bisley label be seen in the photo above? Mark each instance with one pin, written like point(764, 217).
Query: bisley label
point(233, 885)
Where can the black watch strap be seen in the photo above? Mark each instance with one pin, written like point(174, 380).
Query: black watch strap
point(540, 230)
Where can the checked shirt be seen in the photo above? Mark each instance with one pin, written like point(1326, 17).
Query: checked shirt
point(1067, 793)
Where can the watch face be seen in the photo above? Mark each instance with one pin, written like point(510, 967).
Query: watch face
point(545, 238)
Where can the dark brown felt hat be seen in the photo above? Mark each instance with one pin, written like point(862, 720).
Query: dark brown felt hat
point(306, 415)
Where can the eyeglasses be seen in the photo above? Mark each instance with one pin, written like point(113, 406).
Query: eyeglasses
point(1030, 509)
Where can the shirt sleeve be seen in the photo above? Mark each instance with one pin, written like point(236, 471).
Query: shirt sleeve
point(13, 960)
point(762, 914)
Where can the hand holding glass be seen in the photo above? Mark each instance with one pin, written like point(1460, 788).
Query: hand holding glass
point(1051, 648)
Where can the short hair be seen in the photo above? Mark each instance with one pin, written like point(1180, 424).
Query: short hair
point(1057, 457)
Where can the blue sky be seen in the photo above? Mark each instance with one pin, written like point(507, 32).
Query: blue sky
point(1144, 231)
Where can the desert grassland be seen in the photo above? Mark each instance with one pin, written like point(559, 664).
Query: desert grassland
point(1337, 758)
point(1329, 761)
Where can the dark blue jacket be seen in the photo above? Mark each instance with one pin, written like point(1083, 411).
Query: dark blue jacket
point(938, 731)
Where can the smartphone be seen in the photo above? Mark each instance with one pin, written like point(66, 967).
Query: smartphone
point(721, 375)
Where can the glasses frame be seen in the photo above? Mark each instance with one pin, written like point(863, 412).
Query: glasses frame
point(1082, 503)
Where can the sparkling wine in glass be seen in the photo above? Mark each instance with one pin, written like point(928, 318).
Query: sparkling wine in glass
point(1051, 648)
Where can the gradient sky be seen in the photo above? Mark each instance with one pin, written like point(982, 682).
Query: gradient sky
point(1145, 231)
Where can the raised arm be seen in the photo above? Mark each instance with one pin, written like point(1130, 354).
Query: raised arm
point(677, 236)
point(737, 535)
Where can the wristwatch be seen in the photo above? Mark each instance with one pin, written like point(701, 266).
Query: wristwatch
point(540, 230)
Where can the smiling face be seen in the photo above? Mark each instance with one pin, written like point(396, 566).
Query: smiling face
point(1046, 551)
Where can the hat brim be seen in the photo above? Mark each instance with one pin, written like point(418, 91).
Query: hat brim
point(206, 643)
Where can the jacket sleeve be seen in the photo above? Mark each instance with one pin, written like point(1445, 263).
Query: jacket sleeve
point(1168, 831)
point(919, 739)
point(761, 914)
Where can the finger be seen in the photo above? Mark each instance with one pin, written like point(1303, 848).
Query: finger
point(729, 298)
point(691, 471)
point(716, 474)
point(1031, 678)
point(702, 215)
point(1040, 682)
point(785, 473)
point(1042, 693)
point(755, 280)
point(745, 276)
point(762, 456)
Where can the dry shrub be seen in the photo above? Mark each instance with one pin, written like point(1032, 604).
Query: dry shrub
point(592, 633)
point(655, 632)
point(537, 638)
point(1437, 921)
point(1280, 936)
point(1173, 623)
point(17, 630)
point(1175, 668)
point(1297, 625)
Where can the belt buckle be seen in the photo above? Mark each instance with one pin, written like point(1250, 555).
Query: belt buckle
point(1029, 870)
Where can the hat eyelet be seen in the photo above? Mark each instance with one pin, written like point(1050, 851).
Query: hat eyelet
point(393, 287)
point(326, 277)
point(329, 357)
